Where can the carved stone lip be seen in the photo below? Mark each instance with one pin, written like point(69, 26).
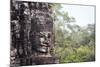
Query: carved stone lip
point(42, 49)
point(44, 45)
point(42, 55)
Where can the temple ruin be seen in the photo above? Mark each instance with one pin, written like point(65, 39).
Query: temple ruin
point(32, 39)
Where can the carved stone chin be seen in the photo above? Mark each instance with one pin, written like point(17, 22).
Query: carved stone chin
point(42, 49)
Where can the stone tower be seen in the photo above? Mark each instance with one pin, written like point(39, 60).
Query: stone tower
point(32, 39)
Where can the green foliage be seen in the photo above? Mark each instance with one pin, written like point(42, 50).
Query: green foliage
point(76, 44)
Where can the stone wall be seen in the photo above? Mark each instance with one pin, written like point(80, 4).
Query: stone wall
point(31, 34)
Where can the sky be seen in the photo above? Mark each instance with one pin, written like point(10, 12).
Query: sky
point(83, 14)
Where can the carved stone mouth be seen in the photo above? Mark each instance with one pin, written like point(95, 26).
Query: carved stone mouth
point(42, 49)
point(44, 44)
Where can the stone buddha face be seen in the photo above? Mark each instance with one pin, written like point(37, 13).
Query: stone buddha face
point(42, 26)
point(43, 42)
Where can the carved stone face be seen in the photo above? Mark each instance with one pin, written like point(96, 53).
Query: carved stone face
point(41, 27)
point(43, 41)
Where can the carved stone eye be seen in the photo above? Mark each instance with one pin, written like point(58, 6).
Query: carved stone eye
point(45, 35)
point(41, 35)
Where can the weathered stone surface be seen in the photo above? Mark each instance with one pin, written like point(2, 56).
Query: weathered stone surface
point(45, 60)
point(31, 34)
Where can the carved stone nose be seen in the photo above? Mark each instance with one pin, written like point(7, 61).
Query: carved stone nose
point(41, 39)
point(47, 43)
